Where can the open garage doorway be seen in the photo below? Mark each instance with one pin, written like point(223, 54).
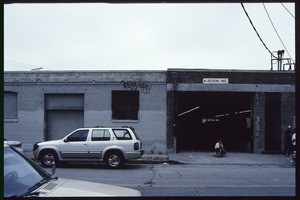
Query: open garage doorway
point(205, 117)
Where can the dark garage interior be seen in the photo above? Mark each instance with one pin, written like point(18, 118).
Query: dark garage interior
point(205, 117)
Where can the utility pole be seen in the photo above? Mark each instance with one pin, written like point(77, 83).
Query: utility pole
point(281, 61)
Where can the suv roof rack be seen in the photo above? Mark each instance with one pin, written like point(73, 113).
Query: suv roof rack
point(97, 126)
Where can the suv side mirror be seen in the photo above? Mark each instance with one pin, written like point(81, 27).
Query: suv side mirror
point(65, 140)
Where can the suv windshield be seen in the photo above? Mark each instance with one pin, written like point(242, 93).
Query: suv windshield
point(20, 175)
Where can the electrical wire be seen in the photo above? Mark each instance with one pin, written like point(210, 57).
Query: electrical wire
point(277, 32)
point(20, 65)
point(288, 10)
point(257, 32)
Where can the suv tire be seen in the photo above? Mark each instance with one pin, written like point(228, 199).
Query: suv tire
point(47, 157)
point(114, 159)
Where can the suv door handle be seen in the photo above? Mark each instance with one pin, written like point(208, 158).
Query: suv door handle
point(85, 144)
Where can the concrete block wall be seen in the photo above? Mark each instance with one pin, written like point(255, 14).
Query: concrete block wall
point(151, 123)
point(259, 122)
point(96, 87)
point(29, 126)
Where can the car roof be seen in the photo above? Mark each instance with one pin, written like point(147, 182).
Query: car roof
point(107, 127)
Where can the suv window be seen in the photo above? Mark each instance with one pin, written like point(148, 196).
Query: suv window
point(100, 135)
point(78, 136)
point(122, 134)
point(136, 136)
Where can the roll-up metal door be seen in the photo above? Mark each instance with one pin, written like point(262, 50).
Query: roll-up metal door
point(60, 123)
point(64, 101)
point(64, 113)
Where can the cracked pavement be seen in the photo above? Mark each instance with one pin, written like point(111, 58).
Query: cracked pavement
point(191, 180)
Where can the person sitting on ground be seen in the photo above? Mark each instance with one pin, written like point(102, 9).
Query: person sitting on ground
point(219, 148)
point(293, 145)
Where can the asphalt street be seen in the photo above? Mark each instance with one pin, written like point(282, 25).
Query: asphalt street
point(165, 179)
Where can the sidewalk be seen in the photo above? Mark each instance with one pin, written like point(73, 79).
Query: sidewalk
point(209, 158)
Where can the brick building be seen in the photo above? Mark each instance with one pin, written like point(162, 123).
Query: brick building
point(249, 110)
point(47, 105)
point(173, 110)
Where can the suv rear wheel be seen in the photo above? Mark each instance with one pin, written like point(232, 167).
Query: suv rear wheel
point(114, 159)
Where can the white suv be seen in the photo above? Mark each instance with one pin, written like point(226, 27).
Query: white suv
point(114, 146)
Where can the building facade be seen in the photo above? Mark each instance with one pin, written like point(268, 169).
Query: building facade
point(248, 110)
point(171, 111)
point(48, 105)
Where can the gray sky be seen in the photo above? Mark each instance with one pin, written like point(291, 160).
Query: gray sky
point(144, 36)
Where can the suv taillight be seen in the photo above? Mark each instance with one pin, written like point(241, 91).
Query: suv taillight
point(136, 146)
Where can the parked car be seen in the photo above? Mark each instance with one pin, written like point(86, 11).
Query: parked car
point(114, 146)
point(25, 178)
point(15, 144)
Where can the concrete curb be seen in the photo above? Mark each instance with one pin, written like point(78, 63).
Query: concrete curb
point(155, 160)
point(145, 159)
point(207, 159)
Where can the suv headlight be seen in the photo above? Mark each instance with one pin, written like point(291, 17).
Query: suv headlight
point(35, 146)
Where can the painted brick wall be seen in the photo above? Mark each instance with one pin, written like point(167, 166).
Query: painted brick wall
point(96, 87)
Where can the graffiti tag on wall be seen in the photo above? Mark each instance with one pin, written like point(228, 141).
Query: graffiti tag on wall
point(136, 85)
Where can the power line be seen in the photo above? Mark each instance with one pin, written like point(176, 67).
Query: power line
point(276, 31)
point(20, 65)
point(8, 68)
point(288, 10)
point(257, 32)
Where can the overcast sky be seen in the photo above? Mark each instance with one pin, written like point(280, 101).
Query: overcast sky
point(144, 36)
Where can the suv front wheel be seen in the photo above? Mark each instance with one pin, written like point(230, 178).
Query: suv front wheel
point(47, 157)
point(114, 159)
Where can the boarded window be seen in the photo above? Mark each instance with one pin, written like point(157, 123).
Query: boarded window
point(10, 105)
point(125, 105)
